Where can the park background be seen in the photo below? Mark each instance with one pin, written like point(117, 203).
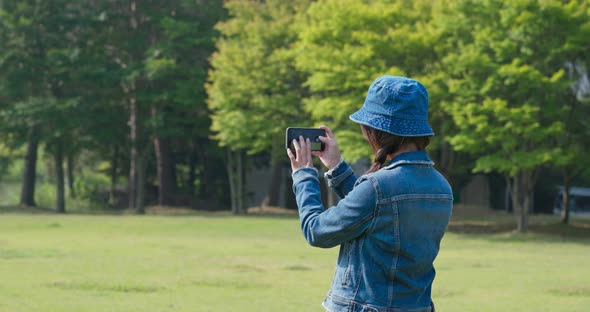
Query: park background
point(112, 109)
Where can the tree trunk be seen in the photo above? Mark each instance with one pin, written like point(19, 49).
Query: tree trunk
point(447, 160)
point(447, 157)
point(70, 172)
point(164, 168)
point(240, 181)
point(236, 171)
point(192, 170)
point(516, 203)
point(114, 168)
point(276, 163)
point(173, 172)
point(232, 181)
point(206, 186)
point(522, 191)
point(507, 195)
point(290, 200)
point(133, 165)
point(141, 163)
point(274, 187)
point(523, 225)
point(60, 204)
point(565, 204)
point(27, 197)
point(133, 121)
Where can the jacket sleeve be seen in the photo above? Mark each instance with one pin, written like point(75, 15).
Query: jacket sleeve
point(341, 179)
point(349, 219)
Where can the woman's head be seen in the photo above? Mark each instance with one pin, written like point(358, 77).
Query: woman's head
point(385, 144)
point(395, 113)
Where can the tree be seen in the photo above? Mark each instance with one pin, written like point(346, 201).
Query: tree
point(22, 78)
point(572, 159)
point(39, 46)
point(505, 67)
point(176, 68)
point(129, 50)
point(163, 63)
point(254, 90)
point(99, 61)
point(345, 45)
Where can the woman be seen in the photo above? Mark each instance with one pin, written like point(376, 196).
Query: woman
point(391, 220)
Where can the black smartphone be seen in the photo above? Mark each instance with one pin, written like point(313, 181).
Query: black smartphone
point(312, 134)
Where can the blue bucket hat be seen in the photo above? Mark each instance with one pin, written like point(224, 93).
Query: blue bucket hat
point(396, 105)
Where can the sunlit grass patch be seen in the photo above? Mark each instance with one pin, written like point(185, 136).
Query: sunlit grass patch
point(219, 262)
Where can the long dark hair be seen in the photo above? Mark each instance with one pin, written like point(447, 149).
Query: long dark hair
point(384, 144)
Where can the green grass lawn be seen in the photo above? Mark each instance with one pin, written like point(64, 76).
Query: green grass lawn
point(216, 262)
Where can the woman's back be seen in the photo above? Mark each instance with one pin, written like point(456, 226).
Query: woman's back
point(391, 264)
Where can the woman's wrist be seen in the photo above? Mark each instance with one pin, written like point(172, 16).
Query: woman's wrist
point(335, 165)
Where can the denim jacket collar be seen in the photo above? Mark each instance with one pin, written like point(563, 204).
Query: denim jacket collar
point(410, 158)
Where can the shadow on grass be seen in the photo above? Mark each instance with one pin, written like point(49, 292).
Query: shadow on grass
point(544, 228)
point(12, 209)
point(24, 209)
point(101, 286)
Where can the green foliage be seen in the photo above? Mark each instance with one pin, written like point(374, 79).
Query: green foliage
point(176, 67)
point(511, 126)
point(35, 55)
point(571, 157)
point(45, 195)
point(345, 45)
point(91, 195)
point(92, 186)
point(7, 156)
point(159, 68)
point(9, 192)
point(505, 75)
point(71, 68)
point(254, 89)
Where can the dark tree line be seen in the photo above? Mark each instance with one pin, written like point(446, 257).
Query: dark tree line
point(121, 81)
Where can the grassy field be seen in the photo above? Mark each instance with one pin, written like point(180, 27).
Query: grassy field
point(217, 262)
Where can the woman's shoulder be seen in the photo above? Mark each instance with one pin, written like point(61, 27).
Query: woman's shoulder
point(410, 179)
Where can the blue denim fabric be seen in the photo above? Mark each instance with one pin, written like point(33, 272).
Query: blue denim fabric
point(397, 105)
point(389, 225)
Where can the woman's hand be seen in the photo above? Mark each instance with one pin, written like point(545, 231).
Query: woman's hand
point(302, 159)
point(330, 156)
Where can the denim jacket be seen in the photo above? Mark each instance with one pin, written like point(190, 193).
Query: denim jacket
point(389, 225)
